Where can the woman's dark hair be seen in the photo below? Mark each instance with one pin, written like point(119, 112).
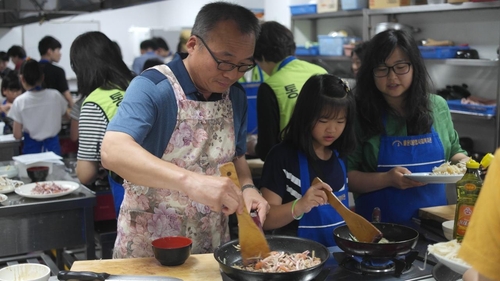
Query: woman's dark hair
point(322, 96)
point(370, 101)
point(11, 82)
point(213, 13)
point(360, 49)
point(97, 64)
point(274, 43)
point(32, 72)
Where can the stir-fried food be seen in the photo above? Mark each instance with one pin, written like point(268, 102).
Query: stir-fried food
point(283, 262)
point(450, 169)
point(48, 188)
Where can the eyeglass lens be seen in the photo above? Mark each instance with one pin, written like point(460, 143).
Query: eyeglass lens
point(398, 68)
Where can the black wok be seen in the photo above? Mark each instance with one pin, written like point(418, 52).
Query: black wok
point(402, 240)
point(227, 255)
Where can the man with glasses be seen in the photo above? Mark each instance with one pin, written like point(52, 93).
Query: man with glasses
point(402, 129)
point(276, 97)
point(190, 114)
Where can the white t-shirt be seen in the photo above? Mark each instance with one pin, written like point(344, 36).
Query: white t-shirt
point(40, 112)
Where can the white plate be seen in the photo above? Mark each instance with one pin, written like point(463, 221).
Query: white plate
point(11, 186)
point(3, 198)
point(431, 178)
point(459, 268)
point(25, 190)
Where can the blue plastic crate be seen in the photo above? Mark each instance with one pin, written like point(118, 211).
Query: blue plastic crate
point(307, 51)
point(303, 9)
point(476, 109)
point(440, 52)
point(331, 45)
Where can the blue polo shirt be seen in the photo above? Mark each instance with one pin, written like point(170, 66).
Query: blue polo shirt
point(148, 112)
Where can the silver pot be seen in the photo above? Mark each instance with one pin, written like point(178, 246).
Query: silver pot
point(383, 26)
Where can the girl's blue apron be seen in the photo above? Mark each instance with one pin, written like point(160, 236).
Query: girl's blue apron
point(319, 223)
point(117, 191)
point(418, 153)
point(33, 146)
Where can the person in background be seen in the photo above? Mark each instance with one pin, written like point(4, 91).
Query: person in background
point(102, 79)
point(401, 129)
point(481, 245)
point(179, 122)
point(357, 56)
point(55, 77)
point(148, 51)
point(276, 97)
point(17, 55)
point(151, 62)
point(163, 49)
point(11, 89)
point(4, 61)
point(38, 112)
point(183, 38)
point(315, 143)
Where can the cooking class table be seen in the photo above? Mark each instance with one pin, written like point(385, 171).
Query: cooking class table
point(28, 225)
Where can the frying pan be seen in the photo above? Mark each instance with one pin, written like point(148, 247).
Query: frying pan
point(402, 240)
point(227, 255)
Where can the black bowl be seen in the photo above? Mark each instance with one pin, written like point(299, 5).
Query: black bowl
point(38, 173)
point(173, 250)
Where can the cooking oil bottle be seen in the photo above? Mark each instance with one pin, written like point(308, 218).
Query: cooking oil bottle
point(467, 192)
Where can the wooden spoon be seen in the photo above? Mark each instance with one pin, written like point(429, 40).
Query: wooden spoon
point(252, 241)
point(360, 228)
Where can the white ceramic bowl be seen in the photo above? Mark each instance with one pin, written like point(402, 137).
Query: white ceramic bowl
point(458, 267)
point(448, 229)
point(3, 198)
point(25, 272)
point(8, 171)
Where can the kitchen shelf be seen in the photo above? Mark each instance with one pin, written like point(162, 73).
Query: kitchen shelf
point(434, 8)
point(338, 14)
point(479, 115)
point(468, 62)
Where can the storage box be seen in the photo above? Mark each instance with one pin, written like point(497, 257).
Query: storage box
point(330, 45)
point(307, 51)
point(382, 4)
point(303, 9)
point(476, 109)
point(440, 52)
point(353, 4)
point(326, 6)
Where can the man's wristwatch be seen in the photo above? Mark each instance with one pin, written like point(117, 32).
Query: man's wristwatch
point(250, 186)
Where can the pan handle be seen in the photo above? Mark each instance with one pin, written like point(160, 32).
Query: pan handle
point(82, 275)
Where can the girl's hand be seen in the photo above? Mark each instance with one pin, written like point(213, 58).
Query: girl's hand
point(395, 177)
point(314, 197)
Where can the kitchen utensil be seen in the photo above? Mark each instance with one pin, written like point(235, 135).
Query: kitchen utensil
point(383, 26)
point(251, 239)
point(25, 271)
point(362, 229)
point(402, 240)
point(467, 54)
point(92, 276)
point(172, 250)
point(227, 255)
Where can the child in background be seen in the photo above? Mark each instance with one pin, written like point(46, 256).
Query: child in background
point(315, 143)
point(38, 113)
point(11, 89)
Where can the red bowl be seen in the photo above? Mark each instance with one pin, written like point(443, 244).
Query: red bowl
point(37, 173)
point(172, 250)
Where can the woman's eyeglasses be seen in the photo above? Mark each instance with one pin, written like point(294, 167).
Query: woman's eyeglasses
point(226, 66)
point(399, 68)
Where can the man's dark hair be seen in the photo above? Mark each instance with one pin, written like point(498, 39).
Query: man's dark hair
point(17, 51)
point(4, 56)
point(148, 44)
point(161, 43)
point(48, 43)
point(11, 82)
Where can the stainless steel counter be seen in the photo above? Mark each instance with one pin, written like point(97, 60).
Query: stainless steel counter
point(28, 225)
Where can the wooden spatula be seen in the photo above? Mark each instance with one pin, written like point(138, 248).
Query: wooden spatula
point(252, 241)
point(360, 228)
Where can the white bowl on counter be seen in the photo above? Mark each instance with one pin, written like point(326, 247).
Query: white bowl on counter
point(8, 171)
point(25, 272)
point(448, 229)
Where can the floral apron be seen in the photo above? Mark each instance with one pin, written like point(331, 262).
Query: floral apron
point(203, 139)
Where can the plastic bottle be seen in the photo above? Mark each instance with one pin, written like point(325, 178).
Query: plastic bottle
point(468, 189)
point(485, 163)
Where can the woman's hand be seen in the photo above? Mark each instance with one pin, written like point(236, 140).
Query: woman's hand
point(255, 201)
point(397, 179)
point(314, 197)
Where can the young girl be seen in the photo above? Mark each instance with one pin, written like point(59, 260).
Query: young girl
point(315, 143)
point(11, 89)
point(37, 113)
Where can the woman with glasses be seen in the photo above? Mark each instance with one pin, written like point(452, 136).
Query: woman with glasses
point(402, 128)
point(177, 123)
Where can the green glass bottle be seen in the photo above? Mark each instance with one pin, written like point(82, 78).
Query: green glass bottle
point(468, 189)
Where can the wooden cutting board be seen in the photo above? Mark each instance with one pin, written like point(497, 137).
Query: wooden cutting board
point(196, 267)
point(438, 213)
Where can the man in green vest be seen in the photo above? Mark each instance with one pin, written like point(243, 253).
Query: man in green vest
point(276, 97)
